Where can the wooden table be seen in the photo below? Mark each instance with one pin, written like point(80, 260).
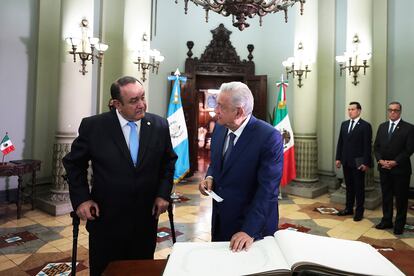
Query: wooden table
point(403, 259)
point(19, 168)
point(136, 267)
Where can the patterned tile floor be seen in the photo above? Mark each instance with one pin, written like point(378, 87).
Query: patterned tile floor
point(40, 244)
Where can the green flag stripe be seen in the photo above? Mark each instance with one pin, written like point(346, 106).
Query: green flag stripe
point(281, 109)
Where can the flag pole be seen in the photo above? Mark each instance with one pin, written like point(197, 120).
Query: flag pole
point(179, 139)
point(2, 159)
point(175, 196)
point(280, 196)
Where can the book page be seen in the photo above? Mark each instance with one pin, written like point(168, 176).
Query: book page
point(215, 258)
point(345, 255)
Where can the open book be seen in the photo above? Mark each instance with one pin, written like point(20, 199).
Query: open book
point(288, 251)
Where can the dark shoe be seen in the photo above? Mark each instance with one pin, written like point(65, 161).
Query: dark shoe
point(345, 212)
point(358, 217)
point(383, 225)
point(398, 231)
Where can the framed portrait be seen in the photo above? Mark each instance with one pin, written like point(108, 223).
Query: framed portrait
point(210, 99)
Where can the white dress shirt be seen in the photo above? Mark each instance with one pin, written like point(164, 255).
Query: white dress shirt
point(238, 132)
point(395, 124)
point(126, 129)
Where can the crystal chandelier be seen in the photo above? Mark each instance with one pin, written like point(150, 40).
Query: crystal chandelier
point(86, 48)
point(241, 9)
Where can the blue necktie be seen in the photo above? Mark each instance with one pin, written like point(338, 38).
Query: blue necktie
point(391, 131)
point(232, 136)
point(133, 142)
point(351, 127)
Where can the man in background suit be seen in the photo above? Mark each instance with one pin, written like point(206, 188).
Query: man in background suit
point(353, 152)
point(133, 164)
point(393, 147)
point(245, 170)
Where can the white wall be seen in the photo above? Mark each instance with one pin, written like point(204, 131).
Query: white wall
point(18, 42)
point(401, 59)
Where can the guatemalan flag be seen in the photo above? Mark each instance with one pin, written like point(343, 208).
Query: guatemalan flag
point(178, 129)
point(282, 123)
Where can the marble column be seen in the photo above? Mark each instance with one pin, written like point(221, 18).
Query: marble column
point(305, 107)
point(359, 22)
point(74, 100)
point(326, 95)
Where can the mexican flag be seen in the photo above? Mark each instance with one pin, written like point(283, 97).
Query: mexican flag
point(282, 123)
point(6, 145)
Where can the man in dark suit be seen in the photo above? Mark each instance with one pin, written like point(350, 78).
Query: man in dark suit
point(393, 147)
point(133, 164)
point(245, 170)
point(353, 152)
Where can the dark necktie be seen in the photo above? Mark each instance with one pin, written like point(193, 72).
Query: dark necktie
point(391, 131)
point(133, 142)
point(352, 126)
point(232, 136)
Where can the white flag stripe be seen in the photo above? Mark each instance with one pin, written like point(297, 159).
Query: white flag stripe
point(178, 128)
point(5, 145)
point(285, 125)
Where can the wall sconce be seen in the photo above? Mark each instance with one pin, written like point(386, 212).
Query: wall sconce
point(301, 62)
point(86, 48)
point(147, 59)
point(354, 58)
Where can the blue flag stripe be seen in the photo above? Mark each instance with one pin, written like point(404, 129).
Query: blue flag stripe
point(178, 129)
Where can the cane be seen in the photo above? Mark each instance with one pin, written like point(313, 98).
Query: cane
point(171, 218)
point(75, 223)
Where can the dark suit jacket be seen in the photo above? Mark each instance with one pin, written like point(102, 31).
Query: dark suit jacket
point(124, 193)
point(249, 181)
point(399, 148)
point(354, 148)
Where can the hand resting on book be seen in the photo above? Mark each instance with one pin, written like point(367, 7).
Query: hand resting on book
point(240, 241)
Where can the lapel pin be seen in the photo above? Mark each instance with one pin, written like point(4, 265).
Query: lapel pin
point(149, 123)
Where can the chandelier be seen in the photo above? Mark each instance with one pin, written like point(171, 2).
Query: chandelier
point(86, 48)
point(240, 10)
point(354, 59)
point(298, 65)
point(147, 58)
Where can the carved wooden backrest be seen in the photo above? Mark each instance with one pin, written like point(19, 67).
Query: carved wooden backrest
point(219, 63)
point(219, 57)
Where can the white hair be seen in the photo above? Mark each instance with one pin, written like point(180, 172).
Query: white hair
point(240, 95)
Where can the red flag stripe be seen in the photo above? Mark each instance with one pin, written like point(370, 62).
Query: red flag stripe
point(289, 166)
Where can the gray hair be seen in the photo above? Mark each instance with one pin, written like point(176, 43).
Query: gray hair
point(240, 95)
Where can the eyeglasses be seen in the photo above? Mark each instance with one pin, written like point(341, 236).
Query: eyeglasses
point(394, 110)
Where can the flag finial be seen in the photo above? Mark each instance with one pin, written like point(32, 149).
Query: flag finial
point(177, 72)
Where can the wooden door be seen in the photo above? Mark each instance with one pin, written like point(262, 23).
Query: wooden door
point(258, 86)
